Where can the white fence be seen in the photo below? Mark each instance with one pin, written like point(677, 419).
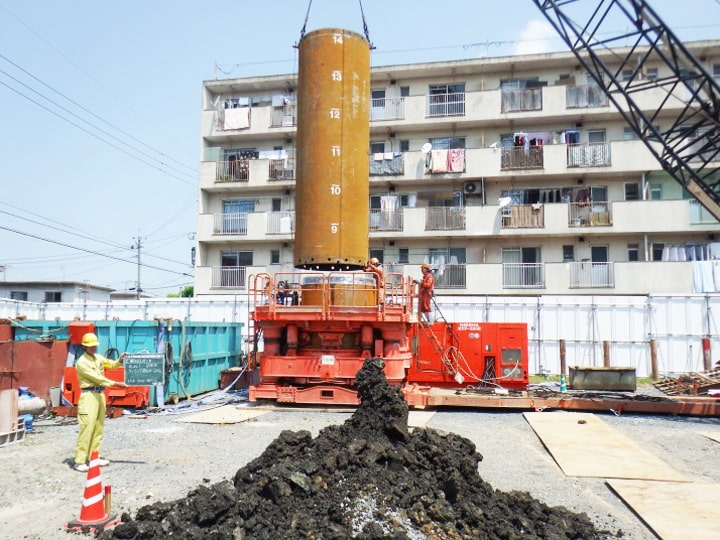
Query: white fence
point(677, 324)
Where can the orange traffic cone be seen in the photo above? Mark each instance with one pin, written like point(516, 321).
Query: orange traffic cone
point(93, 515)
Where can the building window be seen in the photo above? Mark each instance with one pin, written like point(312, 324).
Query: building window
point(627, 74)
point(633, 252)
point(377, 253)
point(655, 192)
point(629, 134)
point(53, 296)
point(274, 256)
point(446, 99)
point(403, 255)
point(447, 143)
point(716, 71)
point(651, 73)
point(377, 147)
point(404, 145)
point(657, 251)
point(19, 295)
point(632, 191)
point(568, 253)
point(596, 136)
point(404, 91)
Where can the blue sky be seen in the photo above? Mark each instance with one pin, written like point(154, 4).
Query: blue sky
point(100, 110)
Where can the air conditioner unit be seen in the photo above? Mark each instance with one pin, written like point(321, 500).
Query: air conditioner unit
point(472, 188)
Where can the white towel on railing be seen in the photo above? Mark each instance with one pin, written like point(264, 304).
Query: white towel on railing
point(237, 118)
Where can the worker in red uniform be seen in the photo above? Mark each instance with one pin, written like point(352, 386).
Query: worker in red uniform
point(427, 284)
point(373, 265)
point(90, 368)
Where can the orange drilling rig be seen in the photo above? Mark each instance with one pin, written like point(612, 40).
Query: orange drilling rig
point(318, 324)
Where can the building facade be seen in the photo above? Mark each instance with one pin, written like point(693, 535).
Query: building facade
point(510, 176)
point(54, 291)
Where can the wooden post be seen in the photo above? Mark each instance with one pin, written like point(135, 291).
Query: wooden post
point(606, 354)
point(653, 360)
point(563, 364)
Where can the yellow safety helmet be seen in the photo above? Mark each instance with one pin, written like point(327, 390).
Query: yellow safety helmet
point(89, 340)
point(374, 261)
point(425, 266)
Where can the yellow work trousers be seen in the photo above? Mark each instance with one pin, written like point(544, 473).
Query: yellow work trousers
point(91, 418)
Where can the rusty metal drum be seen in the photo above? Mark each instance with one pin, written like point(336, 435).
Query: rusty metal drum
point(333, 138)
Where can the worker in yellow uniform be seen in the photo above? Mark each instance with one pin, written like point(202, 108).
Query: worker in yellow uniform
point(90, 369)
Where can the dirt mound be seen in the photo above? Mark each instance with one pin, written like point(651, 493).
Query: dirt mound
point(369, 478)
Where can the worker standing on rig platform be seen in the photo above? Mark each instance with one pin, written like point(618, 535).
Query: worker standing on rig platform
point(373, 265)
point(427, 285)
point(90, 369)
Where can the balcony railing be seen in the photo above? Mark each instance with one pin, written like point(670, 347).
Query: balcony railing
point(281, 222)
point(387, 109)
point(520, 157)
point(590, 214)
point(519, 216)
point(450, 276)
point(523, 275)
point(699, 215)
point(231, 224)
point(588, 155)
point(386, 220)
point(231, 277)
point(586, 96)
point(283, 116)
point(521, 99)
point(232, 171)
point(386, 164)
point(445, 218)
point(281, 169)
point(446, 104)
point(588, 274)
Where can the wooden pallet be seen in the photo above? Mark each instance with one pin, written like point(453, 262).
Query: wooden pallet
point(690, 384)
point(15, 435)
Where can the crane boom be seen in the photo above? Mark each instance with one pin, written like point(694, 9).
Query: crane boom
point(688, 143)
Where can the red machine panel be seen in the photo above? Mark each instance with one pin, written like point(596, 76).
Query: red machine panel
point(132, 396)
point(461, 354)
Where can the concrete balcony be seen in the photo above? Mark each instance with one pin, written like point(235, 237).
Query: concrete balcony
point(246, 227)
point(553, 278)
point(223, 176)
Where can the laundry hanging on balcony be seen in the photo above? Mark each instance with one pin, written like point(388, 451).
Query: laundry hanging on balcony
point(456, 160)
point(442, 161)
point(438, 161)
point(238, 118)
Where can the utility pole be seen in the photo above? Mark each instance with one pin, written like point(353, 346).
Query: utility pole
point(138, 245)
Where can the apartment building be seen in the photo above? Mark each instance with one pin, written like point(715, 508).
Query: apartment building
point(510, 176)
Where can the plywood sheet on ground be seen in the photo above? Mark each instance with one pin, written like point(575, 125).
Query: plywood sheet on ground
point(583, 445)
point(419, 418)
point(714, 435)
point(227, 414)
point(672, 510)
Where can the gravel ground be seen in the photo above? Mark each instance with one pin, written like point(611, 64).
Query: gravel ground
point(160, 459)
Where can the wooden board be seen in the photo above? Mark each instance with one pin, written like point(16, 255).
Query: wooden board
point(583, 445)
point(714, 435)
point(227, 414)
point(673, 511)
point(419, 418)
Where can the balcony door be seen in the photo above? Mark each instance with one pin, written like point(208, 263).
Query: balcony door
point(235, 215)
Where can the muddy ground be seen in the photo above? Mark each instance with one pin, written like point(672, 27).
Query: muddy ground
point(369, 478)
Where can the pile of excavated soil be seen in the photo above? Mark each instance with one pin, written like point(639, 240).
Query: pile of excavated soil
point(368, 478)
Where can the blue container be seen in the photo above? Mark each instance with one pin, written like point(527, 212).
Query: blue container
point(195, 352)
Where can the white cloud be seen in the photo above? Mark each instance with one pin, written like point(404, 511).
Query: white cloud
point(537, 37)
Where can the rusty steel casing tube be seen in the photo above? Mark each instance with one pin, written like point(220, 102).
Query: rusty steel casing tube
point(333, 139)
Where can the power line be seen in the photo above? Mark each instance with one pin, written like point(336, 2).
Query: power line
point(86, 237)
point(92, 125)
point(90, 251)
point(89, 76)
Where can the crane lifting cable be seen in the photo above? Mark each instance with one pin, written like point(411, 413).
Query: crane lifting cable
point(362, 13)
point(688, 145)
